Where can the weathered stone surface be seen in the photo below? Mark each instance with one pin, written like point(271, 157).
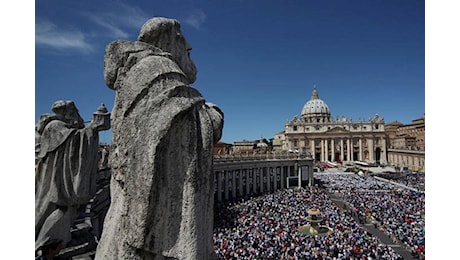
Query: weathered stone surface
point(161, 154)
point(66, 169)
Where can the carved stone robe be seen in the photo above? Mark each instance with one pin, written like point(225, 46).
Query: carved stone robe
point(65, 178)
point(161, 159)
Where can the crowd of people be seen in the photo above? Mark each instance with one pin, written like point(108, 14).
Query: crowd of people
point(412, 180)
point(397, 211)
point(266, 227)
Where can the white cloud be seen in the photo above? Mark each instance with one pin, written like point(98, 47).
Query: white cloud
point(132, 16)
point(107, 22)
point(119, 22)
point(48, 34)
point(195, 19)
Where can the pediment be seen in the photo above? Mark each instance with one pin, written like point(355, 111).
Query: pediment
point(337, 130)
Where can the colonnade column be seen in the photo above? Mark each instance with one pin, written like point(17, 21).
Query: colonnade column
point(267, 170)
point(275, 178)
point(247, 181)
point(240, 182)
point(219, 185)
point(254, 181)
point(283, 176)
point(234, 183)
point(261, 179)
point(226, 195)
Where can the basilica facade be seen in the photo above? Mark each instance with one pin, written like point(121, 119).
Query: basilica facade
point(315, 132)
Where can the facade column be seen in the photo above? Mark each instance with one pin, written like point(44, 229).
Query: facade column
point(327, 150)
point(411, 158)
point(341, 150)
point(360, 155)
point(383, 156)
point(322, 151)
point(370, 144)
point(332, 150)
point(299, 174)
point(312, 148)
point(349, 154)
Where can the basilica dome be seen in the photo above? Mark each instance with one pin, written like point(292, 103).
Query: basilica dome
point(315, 106)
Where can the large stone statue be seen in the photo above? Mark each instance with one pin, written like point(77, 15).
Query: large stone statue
point(66, 168)
point(161, 153)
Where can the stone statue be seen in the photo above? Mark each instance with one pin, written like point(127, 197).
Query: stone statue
point(66, 169)
point(161, 155)
point(104, 158)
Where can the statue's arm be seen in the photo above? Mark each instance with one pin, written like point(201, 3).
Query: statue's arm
point(217, 119)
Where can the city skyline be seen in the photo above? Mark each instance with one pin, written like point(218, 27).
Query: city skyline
point(258, 61)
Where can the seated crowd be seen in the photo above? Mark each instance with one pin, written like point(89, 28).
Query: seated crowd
point(267, 228)
point(398, 212)
point(413, 180)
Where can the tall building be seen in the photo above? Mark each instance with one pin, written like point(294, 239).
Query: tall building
point(339, 140)
point(407, 145)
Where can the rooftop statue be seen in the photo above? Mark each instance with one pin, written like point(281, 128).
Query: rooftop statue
point(161, 153)
point(66, 168)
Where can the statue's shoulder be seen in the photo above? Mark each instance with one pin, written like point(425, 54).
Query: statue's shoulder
point(55, 133)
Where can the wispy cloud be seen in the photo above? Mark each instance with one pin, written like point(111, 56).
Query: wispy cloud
point(48, 34)
point(120, 21)
point(195, 19)
point(106, 22)
point(132, 17)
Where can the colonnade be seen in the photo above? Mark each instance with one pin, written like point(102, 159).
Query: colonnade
point(236, 179)
point(413, 160)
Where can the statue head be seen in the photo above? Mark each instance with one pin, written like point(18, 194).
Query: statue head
point(165, 33)
point(67, 111)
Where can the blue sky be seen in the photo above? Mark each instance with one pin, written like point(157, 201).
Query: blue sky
point(257, 60)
